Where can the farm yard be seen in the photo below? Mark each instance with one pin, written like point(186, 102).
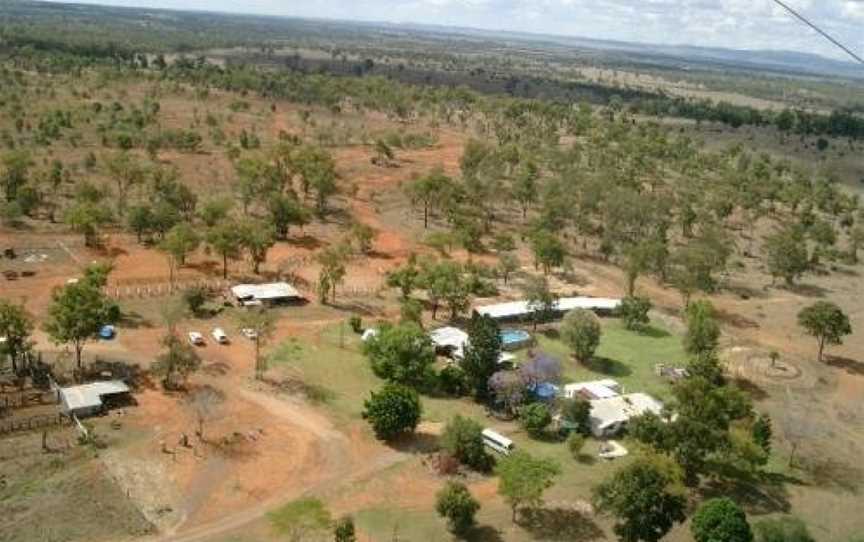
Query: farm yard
point(253, 261)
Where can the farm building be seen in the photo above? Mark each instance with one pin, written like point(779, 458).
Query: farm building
point(516, 310)
point(265, 294)
point(595, 389)
point(451, 341)
point(609, 416)
point(89, 399)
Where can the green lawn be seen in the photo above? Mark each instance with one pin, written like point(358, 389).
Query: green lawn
point(335, 367)
point(623, 355)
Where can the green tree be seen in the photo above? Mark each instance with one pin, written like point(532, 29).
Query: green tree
point(333, 261)
point(575, 444)
point(577, 413)
point(392, 411)
point(86, 218)
point(481, 354)
point(263, 325)
point(343, 530)
point(16, 327)
point(77, 313)
point(402, 354)
point(523, 479)
point(825, 321)
point(507, 265)
point(581, 331)
point(225, 240)
point(216, 210)
point(535, 419)
point(540, 299)
point(720, 520)
point(646, 497)
point(179, 242)
point(762, 432)
point(406, 277)
point(363, 235)
point(703, 331)
point(786, 254)
point(548, 250)
point(16, 166)
point(463, 439)
point(432, 190)
point(140, 220)
point(257, 238)
point(633, 311)
point(195, 297)
point(456, 503)
point(286, 211)
point(177, 362)
point(317, 171)
point(127, 172)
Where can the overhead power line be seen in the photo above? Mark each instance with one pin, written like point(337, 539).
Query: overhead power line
point(817, 29)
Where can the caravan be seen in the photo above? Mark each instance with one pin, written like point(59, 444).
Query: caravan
point(497, 442)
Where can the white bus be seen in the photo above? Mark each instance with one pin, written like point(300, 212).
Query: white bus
point(497, 442)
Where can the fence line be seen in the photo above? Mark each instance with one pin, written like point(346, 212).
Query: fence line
point(163, 289)
point(33, 422)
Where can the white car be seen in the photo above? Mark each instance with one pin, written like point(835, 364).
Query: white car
point(219, 335)
point(249, 333)
point(196, 338)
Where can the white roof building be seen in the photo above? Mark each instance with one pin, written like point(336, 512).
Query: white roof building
point(455, 340)
point(515, 309)
point(595, 389)
point(610, 415)
point(449, 337)
point(87, 398)
point(256, 294)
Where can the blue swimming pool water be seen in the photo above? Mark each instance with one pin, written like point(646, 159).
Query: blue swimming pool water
point(512, 337)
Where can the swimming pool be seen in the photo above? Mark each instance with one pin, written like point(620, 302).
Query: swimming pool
point(511, 339)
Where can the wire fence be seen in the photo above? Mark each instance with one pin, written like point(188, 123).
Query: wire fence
point(31, 423)
point(143, 289)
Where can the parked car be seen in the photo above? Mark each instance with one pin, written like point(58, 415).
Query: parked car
point(219, 335)
point(196, 338)
point(249, 333)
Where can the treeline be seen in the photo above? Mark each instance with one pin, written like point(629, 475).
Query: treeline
point(840, 123)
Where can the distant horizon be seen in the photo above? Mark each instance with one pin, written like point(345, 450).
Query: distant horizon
point(720, 25)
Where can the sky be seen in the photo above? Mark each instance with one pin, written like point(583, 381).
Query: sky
point(737, 24)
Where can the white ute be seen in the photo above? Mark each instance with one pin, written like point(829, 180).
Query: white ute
point(196, 338)
point(219, 335)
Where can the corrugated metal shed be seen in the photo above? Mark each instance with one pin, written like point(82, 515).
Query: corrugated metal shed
point(514, 309)
point(265, 292)
point(88, 397)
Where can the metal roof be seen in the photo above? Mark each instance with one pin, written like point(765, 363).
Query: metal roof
point(273, 290)
point(90, 395)
point(612, 410)
point(513, 309)
point(596, 389)
point(449, 336)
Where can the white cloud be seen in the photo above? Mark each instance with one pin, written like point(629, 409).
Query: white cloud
point(739, 24)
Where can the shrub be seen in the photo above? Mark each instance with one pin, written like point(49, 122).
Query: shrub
point(575, 443)
point(535, 419)
point(392, 411)
point(456, 503)
point(356, 324)
point(463, 439)
point(720, 520)
point(581, 332)
point(452, 381)
point(343, 530)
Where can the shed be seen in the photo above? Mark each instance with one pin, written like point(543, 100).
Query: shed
point(610, 415)
point(595, 389)
point(270, 293)
point(88, 399)
point(449, 340)
point(520, 309)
